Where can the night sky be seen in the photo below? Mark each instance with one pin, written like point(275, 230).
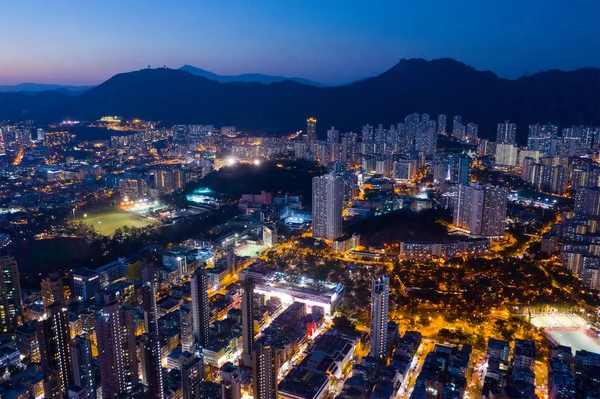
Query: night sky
point(330, 41)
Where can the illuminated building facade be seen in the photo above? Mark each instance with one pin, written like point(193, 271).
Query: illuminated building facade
point(380, 297)
point(327, 204)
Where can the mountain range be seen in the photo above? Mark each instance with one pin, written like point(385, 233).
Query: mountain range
point(37, 87)
point(246, 77)
point(413, 85)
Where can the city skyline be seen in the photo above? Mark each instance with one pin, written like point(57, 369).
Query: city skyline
point(430, 232)
point(293, 39)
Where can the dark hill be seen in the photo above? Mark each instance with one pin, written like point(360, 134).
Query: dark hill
point(415, 85)
point(245, 77)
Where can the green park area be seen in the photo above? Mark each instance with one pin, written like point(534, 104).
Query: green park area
point(106, 223)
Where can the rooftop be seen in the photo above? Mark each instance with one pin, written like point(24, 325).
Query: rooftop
point(302, 284)
point(84, 272)
point(303, 383)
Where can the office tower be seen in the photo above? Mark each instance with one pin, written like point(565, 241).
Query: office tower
point(264, 372)
point(506, 133)
point(55, 351)
point(543, 138)
point(150, 345)
point(248, 321)
point(231, 382)
point(200, 308)
point(53, 290)
point(481, 209)
point(117, 350)
point(327, 203)
point(186, 323)
point(10, 295)
point(367, 133)
point(506, 154)
point(380, 297)
point(85, 283)
point(192, 376)
point(441, 124)
point(311, 129)
point(81, 356)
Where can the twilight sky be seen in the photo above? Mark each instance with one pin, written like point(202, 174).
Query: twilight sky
point(330, 41)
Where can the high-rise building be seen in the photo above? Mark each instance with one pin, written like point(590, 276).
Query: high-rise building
point(150, 345)
point(441, 124)
point(404, 169)
point(506, 133)
point(367, 133)
point(53, 290)
point(192, 376)
point(186, 324)
point(333, 136)
point(231, 384)
point(117, 351)
point(411, 131)
point(543, 138)
point(458, 129)
point(506, 154)
point(587, 201)
point(264, 372)
point(81, 355)
point(464, 169)
point(41, 135)
point(327, 204)
point(55, 351)
point(426, 136)
point(269, 236)
point(27, 342)
point(472, 131)
point(380, 298)
point(480, 209)
point(247, 321)
point(200, 307)
point(85, 283)
point(311, 129)
point(350, 147)
point(169, 178)
point(10, 295)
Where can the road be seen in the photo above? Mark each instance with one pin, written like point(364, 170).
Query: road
point(416, 366)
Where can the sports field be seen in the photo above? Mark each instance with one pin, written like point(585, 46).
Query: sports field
point(577, 340)
point(569, 330)
point(107, 222)
point(250, 250)
point(558, 320)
